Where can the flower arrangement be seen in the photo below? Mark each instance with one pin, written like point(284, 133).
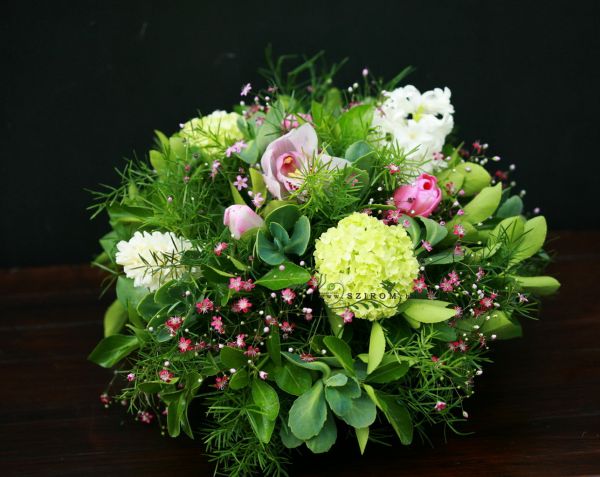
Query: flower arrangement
point(318, 261)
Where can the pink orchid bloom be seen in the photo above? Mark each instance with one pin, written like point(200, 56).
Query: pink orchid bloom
point(288, 158)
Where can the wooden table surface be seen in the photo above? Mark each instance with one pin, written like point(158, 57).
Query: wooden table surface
point(536, 410)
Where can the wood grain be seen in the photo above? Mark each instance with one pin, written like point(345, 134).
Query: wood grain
point(536, 411)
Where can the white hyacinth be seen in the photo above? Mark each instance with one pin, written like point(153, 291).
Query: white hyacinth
point(152, 259)
point(416, 120)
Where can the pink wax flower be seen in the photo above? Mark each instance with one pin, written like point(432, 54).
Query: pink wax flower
point(419, 198)
point(240, 218)
point(288, 158)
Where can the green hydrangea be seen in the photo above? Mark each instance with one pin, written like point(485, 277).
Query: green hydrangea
point(362, 262)
point(217, 130)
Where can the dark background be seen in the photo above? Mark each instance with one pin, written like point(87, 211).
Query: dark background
point(85, 83)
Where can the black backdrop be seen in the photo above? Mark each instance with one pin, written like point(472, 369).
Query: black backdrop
point(85, 83)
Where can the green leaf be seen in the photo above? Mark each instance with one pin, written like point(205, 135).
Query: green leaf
point(285, 215)
point(475, 177)
point(279, 233)
point(158, 162)
point(287, 438)
point(511, 207)
point(308, 412)
point(300, 237)
point(532, 240)
point(312, 365)
point(502, 326)
point(355, 123)
point(444, 258)
point(341, 351)
point(265, 397)
point(362, 436)
point(336, 380)
point(428, 311)
point(325, 439)
point(361, 154)
point(274, 345)
point(176, 410)
point(114, 318)
point(376, 347)
point(113, 349)
point(232, 358)
point(388, 373)
point(239, 380)
point(435, 232)
point(235, 194)
point(483, 204)
point(278, 279)
point(414, 231)
point(250, 155)
point(543, 285)
point(362, 412)
point(128, 294)
point(267, 251)
point(292, 379)
point(396, 413)
point(148, 308)
point(262, 427)
point(340, 398)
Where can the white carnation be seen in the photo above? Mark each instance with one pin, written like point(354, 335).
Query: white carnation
point(417, 121)
point(152, 259)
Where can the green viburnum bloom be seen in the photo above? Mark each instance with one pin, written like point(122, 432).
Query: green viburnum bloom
point(362, 262)
point(218, 129)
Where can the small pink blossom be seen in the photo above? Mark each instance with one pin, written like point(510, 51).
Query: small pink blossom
point(240, 340)
point(458, 250)
point(184, 345)
point(217, 324)
point(263, 375)
point(145, 417)
point(347, 315)
point(235, 283)
point(205, 306)
point(454, 278)
point(446, 285)
point(252, 351)
point(440, 406)
point(236, 148)
point(243, 305)
point(241, 182)
point(248, 285)
point(246, 89)
point(105, 399)
point(215, 169)
point(419, 284)
point(287, 327)
point(458, 230)
point(426, 245)
point(173, 324)
point(458, 311)
point(480, 274)
point(486, 302)
point(131, 377)
point(307, 357)
point(438, 156)
point(522, 298)
point(165, 375)
point(313, 282)
point(288, 295)
point(393, 168)
point(258, 200)
point(220, 248)
point(221, 382)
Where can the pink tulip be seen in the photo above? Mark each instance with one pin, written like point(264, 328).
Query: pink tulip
point(288, 158)
point(419, 198)
point(240, 218)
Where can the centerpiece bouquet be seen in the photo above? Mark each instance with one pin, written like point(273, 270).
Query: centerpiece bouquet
point(317, 262)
